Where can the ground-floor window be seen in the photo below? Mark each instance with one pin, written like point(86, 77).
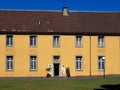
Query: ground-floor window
point(101, 62)
point(9, 63)
point(79, 63)
point(33, 62)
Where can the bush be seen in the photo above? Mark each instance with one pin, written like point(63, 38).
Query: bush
point(48, 75)
point(48, 69)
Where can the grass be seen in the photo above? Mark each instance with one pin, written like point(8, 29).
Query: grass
point(79, 84)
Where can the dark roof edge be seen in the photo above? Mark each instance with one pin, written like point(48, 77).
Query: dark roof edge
point(64, 33)
point(58, 11)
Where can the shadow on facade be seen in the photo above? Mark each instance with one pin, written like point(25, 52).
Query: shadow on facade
point(109, 87)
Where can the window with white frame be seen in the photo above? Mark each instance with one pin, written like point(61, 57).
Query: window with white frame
point(101, 62)
point(33, 62)
point(9, 40)
point(79, 41)
point(33, 40)
point(9, 63)
point(56, 58)
point(101, 41)
point(79, 63)
point(56, 41)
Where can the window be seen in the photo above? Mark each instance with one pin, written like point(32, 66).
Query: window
point(101, 41)
point(33, 62)
point(56, 58)
point(101, 62)
point(79, 63)
point(79, 41)
point(38, 22)
point(9, 40)
point(9, 63)
point(33, 40)
point(56, 41)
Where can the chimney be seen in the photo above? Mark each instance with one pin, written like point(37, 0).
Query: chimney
point(65, 11)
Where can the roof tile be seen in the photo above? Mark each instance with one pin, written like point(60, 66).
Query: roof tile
point(49, 21)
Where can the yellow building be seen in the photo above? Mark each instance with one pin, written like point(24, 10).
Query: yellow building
point(86, 42)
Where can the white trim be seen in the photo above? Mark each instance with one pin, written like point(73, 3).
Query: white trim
point(58, 59)
point(101, 41)
point(57, 42)
point(79, 41)
point(101, 60)
point(79, 62)
point(10, 41)
point(33, 60)
point(9, 62)
point(34, 44)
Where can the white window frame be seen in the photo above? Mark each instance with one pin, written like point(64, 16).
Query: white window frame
point(101, 63)
point(79, 41)
point(33, 40)
point(56, 41)
point(79, 62)
point(9, 63)
point(9, 40)
point(101, 41)
point(33, 61)
point(56, 59)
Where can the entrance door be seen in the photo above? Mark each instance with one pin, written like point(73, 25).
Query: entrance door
point(56, 69)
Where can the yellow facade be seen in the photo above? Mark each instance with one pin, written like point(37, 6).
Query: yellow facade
point(67, 51)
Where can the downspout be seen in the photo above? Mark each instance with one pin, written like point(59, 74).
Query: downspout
point(90, 55)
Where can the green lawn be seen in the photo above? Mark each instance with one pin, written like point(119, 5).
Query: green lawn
point(79, 84)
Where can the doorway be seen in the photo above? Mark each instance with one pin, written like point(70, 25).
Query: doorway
point(56, 69)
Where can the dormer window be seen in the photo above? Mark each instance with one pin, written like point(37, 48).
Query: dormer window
point(38, 22)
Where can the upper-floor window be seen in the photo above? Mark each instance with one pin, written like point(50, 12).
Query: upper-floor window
point(101, 41)
point(9, 40)
point(56, 41)
point(9, 63)
point(101, 62)
point(33, 40)
point(79, 41)
point(33, 62)
point(79, 63)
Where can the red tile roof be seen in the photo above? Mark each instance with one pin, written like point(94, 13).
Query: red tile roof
point(55, 22)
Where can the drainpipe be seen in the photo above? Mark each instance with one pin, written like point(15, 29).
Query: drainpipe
point(90, 55)
point(104, 67)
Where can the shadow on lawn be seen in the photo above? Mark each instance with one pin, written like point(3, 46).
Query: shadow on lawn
point(109, 87)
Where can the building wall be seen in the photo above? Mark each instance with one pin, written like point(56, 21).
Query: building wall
point(111, 52)
point(67, 52)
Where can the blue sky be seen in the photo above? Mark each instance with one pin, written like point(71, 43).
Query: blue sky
point(79, 5)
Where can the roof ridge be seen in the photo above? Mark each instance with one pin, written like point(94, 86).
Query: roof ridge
point(29, 10)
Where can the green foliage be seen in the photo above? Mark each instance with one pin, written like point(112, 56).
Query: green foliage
point(48, 69)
